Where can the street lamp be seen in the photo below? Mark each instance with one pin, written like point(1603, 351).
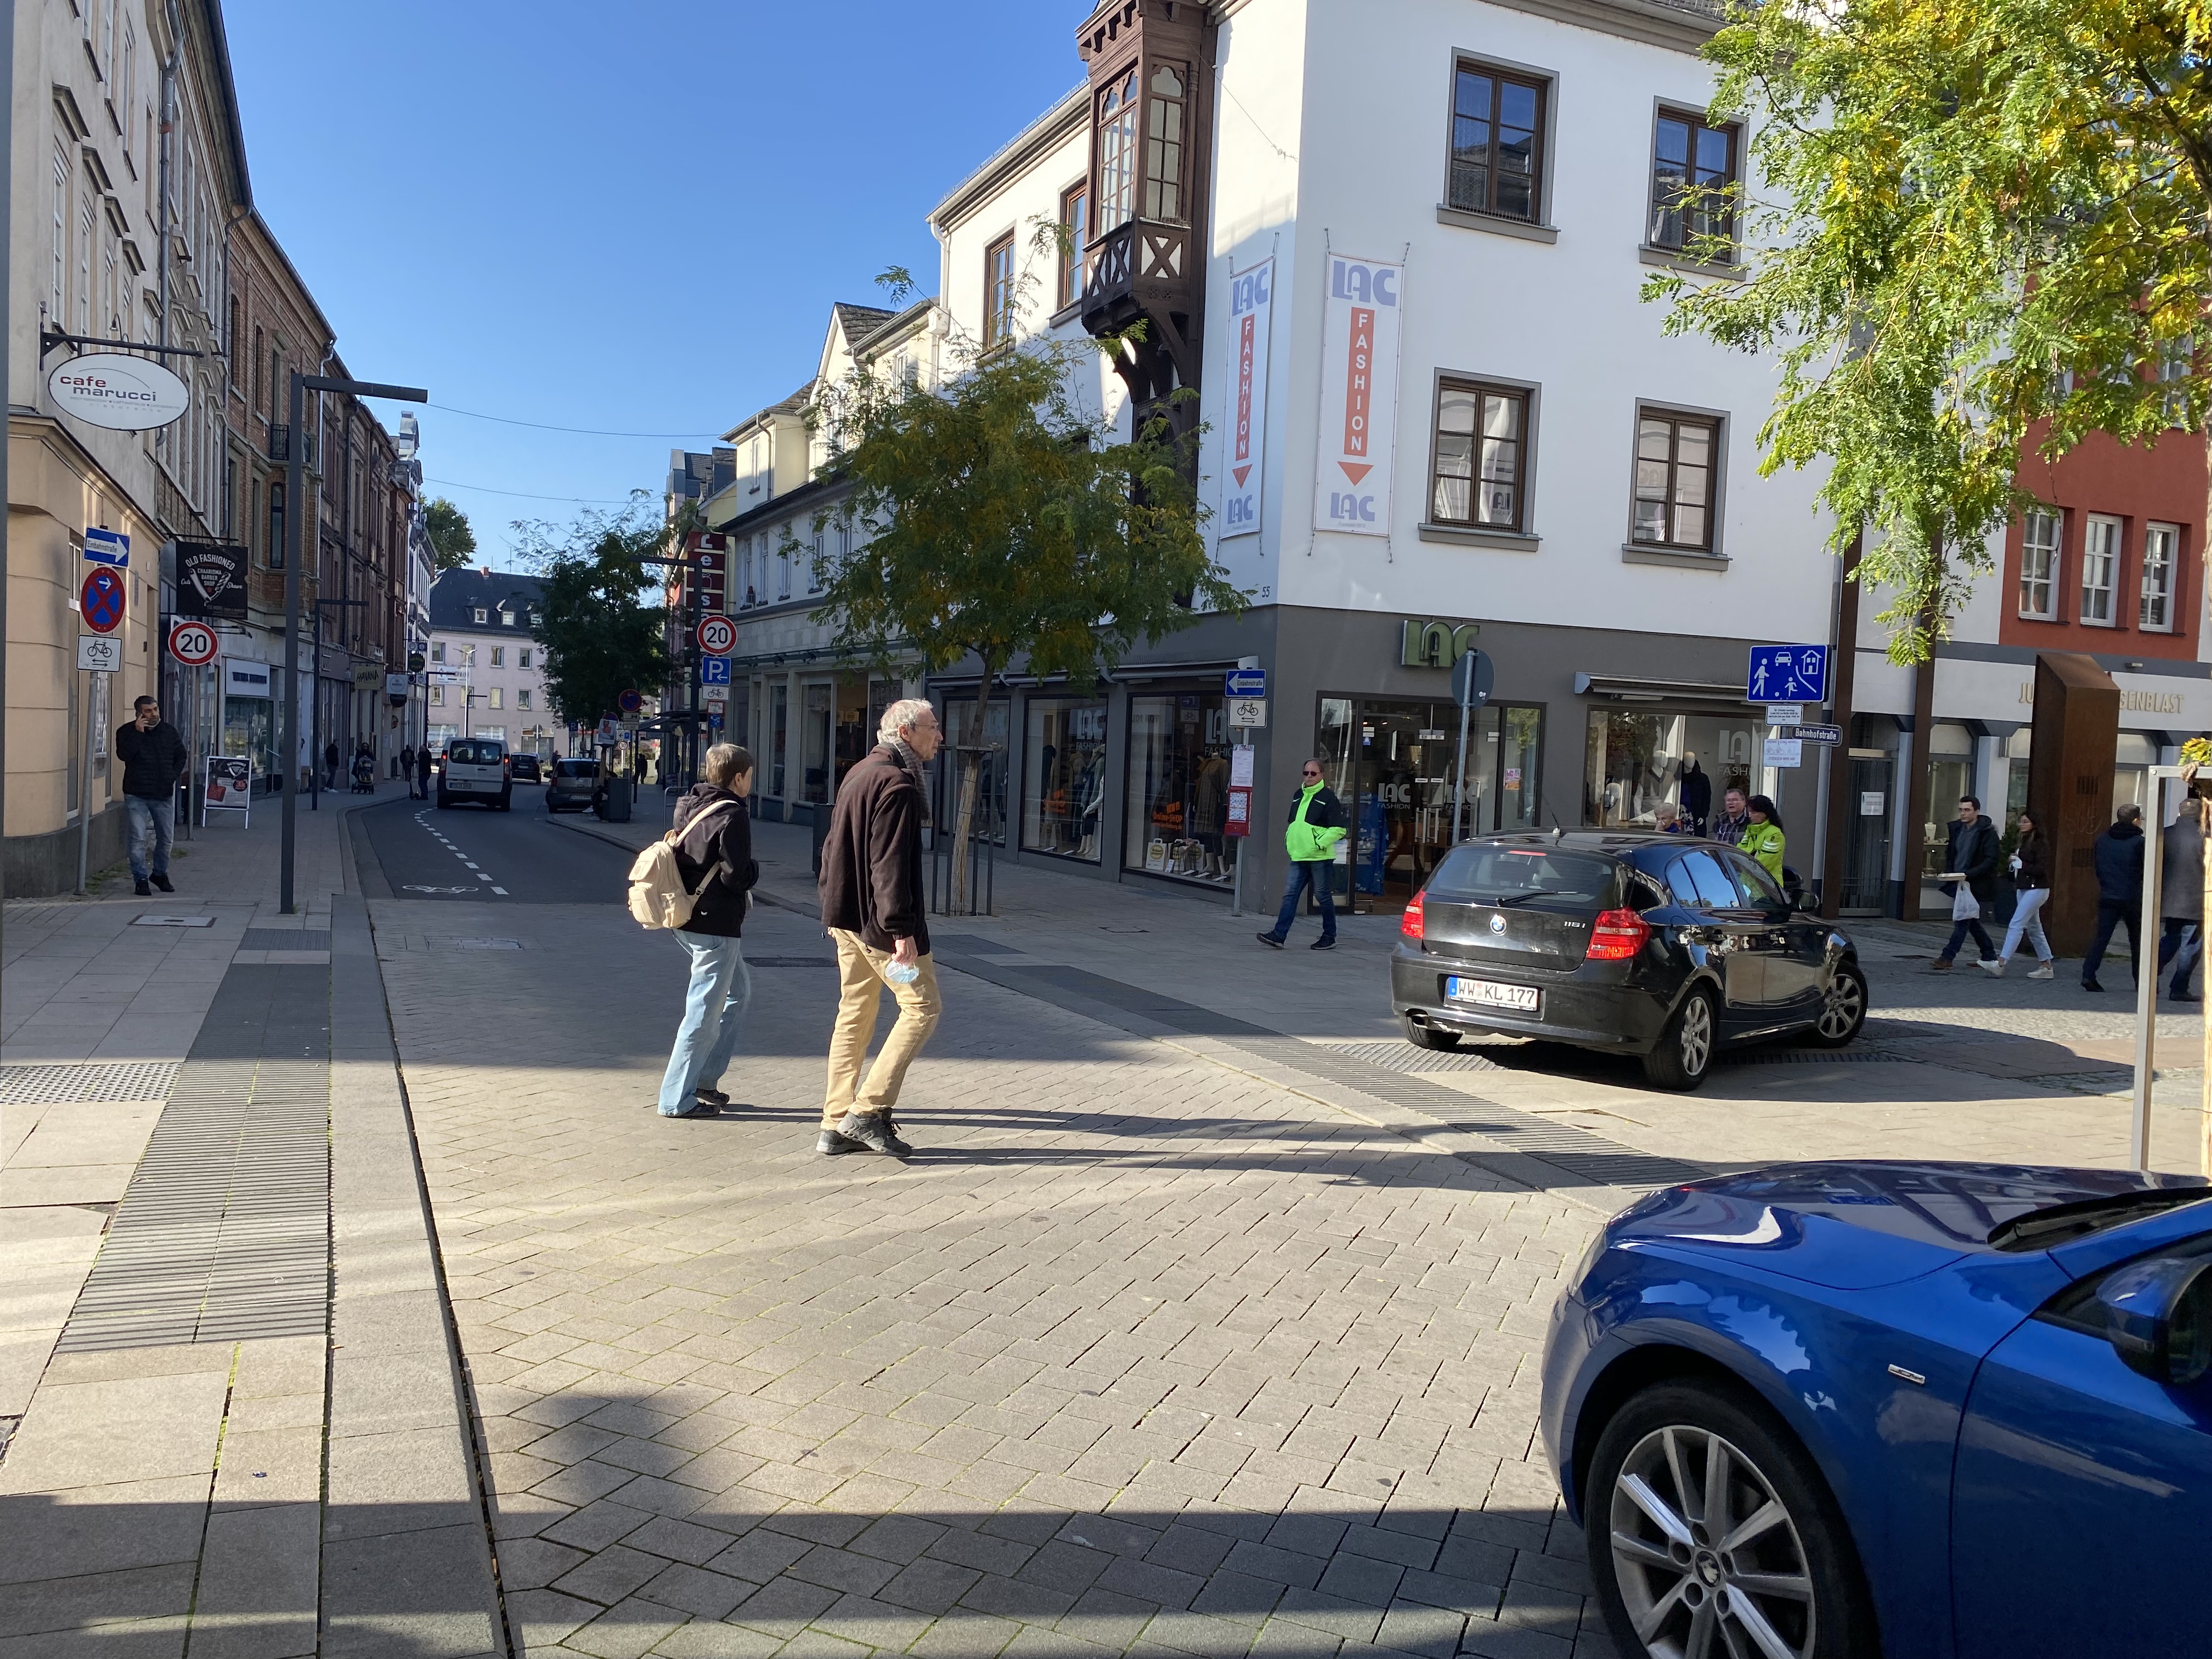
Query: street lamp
point(295, 487)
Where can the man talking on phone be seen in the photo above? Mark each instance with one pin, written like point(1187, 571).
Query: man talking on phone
point(153, 758)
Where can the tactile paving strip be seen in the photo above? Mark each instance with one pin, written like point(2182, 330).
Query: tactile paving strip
point(285, 938)
point(49, 1085)
point(223, 1233)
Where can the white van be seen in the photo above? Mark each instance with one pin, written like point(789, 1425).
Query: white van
point(477, 769)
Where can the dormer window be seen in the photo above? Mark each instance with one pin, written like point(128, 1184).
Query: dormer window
point(481, 615)
point(507, 618)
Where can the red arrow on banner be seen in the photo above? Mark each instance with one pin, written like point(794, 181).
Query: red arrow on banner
point(1240, 473)
point(1356, 473)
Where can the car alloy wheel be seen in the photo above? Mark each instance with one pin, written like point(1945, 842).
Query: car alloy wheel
point(1707, 1557)
point(1843, 1010)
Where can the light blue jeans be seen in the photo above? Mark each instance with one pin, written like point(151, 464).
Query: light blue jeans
point(714, 1018)
point(151, 821)
point(2025, 921)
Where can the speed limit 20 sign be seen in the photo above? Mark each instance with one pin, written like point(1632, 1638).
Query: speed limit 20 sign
point(718, 636)
point(193, 643)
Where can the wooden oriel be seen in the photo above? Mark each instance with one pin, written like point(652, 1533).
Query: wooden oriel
point(2070, 786)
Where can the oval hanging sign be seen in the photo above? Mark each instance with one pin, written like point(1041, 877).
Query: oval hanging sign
point(124, 393)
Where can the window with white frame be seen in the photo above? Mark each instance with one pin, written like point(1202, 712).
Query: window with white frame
point(522, 697)
point(2101, 569)
point(2162, 543)
point(481, 614)
point(498, 697)
point(814, 563)
point(499, 656)
point(783, 573)
point(524, 658)
point(2038, 564)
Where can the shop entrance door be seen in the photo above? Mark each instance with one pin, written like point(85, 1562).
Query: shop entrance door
point(1866, 847)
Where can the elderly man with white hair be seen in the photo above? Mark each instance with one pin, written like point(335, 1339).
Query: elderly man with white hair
point(872, 905)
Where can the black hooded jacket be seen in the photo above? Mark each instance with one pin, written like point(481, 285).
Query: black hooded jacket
point(719, 907)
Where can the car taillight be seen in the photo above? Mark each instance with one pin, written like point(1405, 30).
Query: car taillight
point(1616, 936)
point(1411, 924)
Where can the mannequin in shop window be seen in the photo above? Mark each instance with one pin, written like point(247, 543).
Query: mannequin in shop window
point(1697, 793)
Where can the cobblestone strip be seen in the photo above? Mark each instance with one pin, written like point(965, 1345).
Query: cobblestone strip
point(1139, 1355)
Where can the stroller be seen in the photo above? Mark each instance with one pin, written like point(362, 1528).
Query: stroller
point(364, 773)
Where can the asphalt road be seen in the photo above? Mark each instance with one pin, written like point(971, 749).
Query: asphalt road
point(477, 854)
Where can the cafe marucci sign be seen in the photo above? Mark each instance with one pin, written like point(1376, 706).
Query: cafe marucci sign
point(122, 393)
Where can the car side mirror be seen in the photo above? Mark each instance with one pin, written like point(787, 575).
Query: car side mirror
point(2158, 1318)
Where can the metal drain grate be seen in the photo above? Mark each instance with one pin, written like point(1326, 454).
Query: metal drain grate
point(487, 945)
point(1809, 1057)
point(285, 938)
point(49, 1085)
point(1404, 1057)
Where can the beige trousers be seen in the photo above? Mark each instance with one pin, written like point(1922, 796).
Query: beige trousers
point(861, 984)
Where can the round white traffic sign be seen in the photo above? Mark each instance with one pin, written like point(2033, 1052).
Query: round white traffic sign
point(122, 392)
point(718, 636)
point(193, 643)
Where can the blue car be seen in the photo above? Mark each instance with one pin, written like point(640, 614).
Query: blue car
point(1933, 1411)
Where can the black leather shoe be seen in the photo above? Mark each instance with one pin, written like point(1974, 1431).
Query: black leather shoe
point(831, 1144)
point(164, 884)
point(1269, 938)
point(873, 1131)
point(1323, 944)
point(143, 891)
point(2091, 985)
point(710, 1097)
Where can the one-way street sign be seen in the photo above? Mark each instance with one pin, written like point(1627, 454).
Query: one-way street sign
point(1246, 682)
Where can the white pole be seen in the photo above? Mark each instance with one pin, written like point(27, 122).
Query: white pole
point(2146, 965)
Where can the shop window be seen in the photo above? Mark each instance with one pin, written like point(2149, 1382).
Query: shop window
point(1693, 166)
point(1638, 761)
point(2133, 755)
point(2101, 569)
point(1066, 785)
point(1676, 457)
point(1950, 776)
point(1480, 450)
point(1497, 159)
point(1178, 793)
point(779, 709)
point(2160, 542)
point(986, 740)
point(2038, 565)
point(815, 738)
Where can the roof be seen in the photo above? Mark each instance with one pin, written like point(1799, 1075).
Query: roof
point(456, 595)
point(859, 321)
point(794, 404)
point(696, 476)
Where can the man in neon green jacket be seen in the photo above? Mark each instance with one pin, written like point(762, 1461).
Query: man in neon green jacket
point(1316, 825)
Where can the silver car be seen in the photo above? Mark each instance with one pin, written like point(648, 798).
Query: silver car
point(571, 782)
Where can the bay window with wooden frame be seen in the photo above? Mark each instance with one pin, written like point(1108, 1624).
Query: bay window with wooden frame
point(998, 291)
point(1167, 113)
point(1114, 143)
point(1677, 467)
point(1480, 449)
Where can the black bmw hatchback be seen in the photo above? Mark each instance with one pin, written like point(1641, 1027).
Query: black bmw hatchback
point(1660, 946)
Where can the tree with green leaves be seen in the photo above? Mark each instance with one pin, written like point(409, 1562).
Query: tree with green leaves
point(997, 517)
point(1971, 224)
point(603, 626)
point(452, 543)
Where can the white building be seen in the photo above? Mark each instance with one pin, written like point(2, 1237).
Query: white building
point(487, 671)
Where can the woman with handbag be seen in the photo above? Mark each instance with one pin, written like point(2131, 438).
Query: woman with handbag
point(2031, 876)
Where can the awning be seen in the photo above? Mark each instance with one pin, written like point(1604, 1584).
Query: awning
point(1626, 688)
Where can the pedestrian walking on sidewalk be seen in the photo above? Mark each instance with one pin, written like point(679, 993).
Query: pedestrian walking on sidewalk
point(2181, 899)
point(423, 770)
point(330, 759)
point(1316, 825)
point(2119, 853)
point(2031, 880)
point(1969, 881)
point(407, 766)
point(153, 758)
point(871, 905)
point(714, 843)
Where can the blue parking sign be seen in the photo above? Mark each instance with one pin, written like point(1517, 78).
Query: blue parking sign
point(1788, 673)
point(714, 670)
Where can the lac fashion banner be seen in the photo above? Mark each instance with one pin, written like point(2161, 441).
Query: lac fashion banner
point(1358, 395)
point(1251, 306)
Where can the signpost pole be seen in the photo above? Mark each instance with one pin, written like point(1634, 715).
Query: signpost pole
point(1458, 777)
point(84, 790)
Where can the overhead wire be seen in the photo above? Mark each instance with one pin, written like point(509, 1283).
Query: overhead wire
point(543, 426)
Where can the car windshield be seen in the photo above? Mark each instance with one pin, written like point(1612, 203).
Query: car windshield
point(576, 769)
point(1545, 876)
point(474, 754)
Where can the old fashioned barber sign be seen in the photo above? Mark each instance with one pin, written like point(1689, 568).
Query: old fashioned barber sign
point(1251, 303)
point(1358, 395)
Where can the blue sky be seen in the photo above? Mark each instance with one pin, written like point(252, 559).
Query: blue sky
point(629, 216)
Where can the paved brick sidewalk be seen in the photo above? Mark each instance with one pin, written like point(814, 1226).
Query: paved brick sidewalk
point(1139, 1355)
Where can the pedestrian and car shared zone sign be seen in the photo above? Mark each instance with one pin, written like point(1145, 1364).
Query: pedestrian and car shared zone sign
point(1788, 673)
point(193, 643)
point(718, 636)
point(102, 600)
